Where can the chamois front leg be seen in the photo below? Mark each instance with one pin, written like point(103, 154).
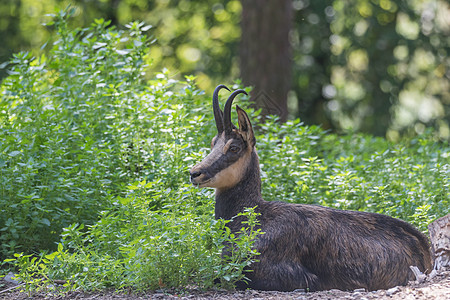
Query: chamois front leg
point(279, 276)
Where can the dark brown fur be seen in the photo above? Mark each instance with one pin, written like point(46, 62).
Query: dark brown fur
point(313, 247)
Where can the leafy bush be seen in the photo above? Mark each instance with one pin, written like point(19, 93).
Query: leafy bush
point(408, 180)
point(68, 123)
point(92, 153)
point(136, 247)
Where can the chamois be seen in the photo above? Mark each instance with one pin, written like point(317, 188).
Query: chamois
point(304, 246)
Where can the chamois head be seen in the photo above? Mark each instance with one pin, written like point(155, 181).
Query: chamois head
point(231, 148)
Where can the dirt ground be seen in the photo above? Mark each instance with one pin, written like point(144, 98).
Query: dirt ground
point(437, 288)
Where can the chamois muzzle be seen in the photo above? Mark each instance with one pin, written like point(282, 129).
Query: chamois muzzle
point(197, 177)
point(195, 174)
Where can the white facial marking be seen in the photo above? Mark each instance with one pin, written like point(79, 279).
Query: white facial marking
point(227, 146)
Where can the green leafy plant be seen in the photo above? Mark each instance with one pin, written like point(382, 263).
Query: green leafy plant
point(33, 273)
point(94, 161)
point(67, 122)
point(407, 180)
point(138, 248)
point(240, 252)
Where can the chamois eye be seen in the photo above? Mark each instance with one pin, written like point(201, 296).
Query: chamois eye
point(234, 149)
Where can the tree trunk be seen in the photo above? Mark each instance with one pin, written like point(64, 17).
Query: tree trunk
point(11, 37)
point(112, 12)
point(265, 53)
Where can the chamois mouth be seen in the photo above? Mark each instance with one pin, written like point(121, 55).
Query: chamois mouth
point(201, 183)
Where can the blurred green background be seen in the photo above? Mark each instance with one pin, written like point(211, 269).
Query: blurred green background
point(379, 66)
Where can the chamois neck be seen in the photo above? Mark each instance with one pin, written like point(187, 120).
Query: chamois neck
point(247, 193)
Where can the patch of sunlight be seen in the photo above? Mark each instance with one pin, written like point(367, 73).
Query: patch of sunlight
point(188, 54)
point(406, 27)
point(424, 60)
point(358, 60)
point(401, 52)
point(361, 27)
point(353, 91)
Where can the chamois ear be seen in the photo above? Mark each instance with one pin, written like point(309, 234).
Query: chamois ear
point(245, 127)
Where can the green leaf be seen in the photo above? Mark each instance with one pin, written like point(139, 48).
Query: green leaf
point(14, 153)
point(45, 221)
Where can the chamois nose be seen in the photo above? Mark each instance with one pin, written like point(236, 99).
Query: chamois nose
point(195, 174)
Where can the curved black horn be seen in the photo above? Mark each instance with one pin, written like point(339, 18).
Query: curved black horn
point(217, 112)
point(227, 111)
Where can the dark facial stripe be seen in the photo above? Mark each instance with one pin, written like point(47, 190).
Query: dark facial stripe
point(223, 162)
